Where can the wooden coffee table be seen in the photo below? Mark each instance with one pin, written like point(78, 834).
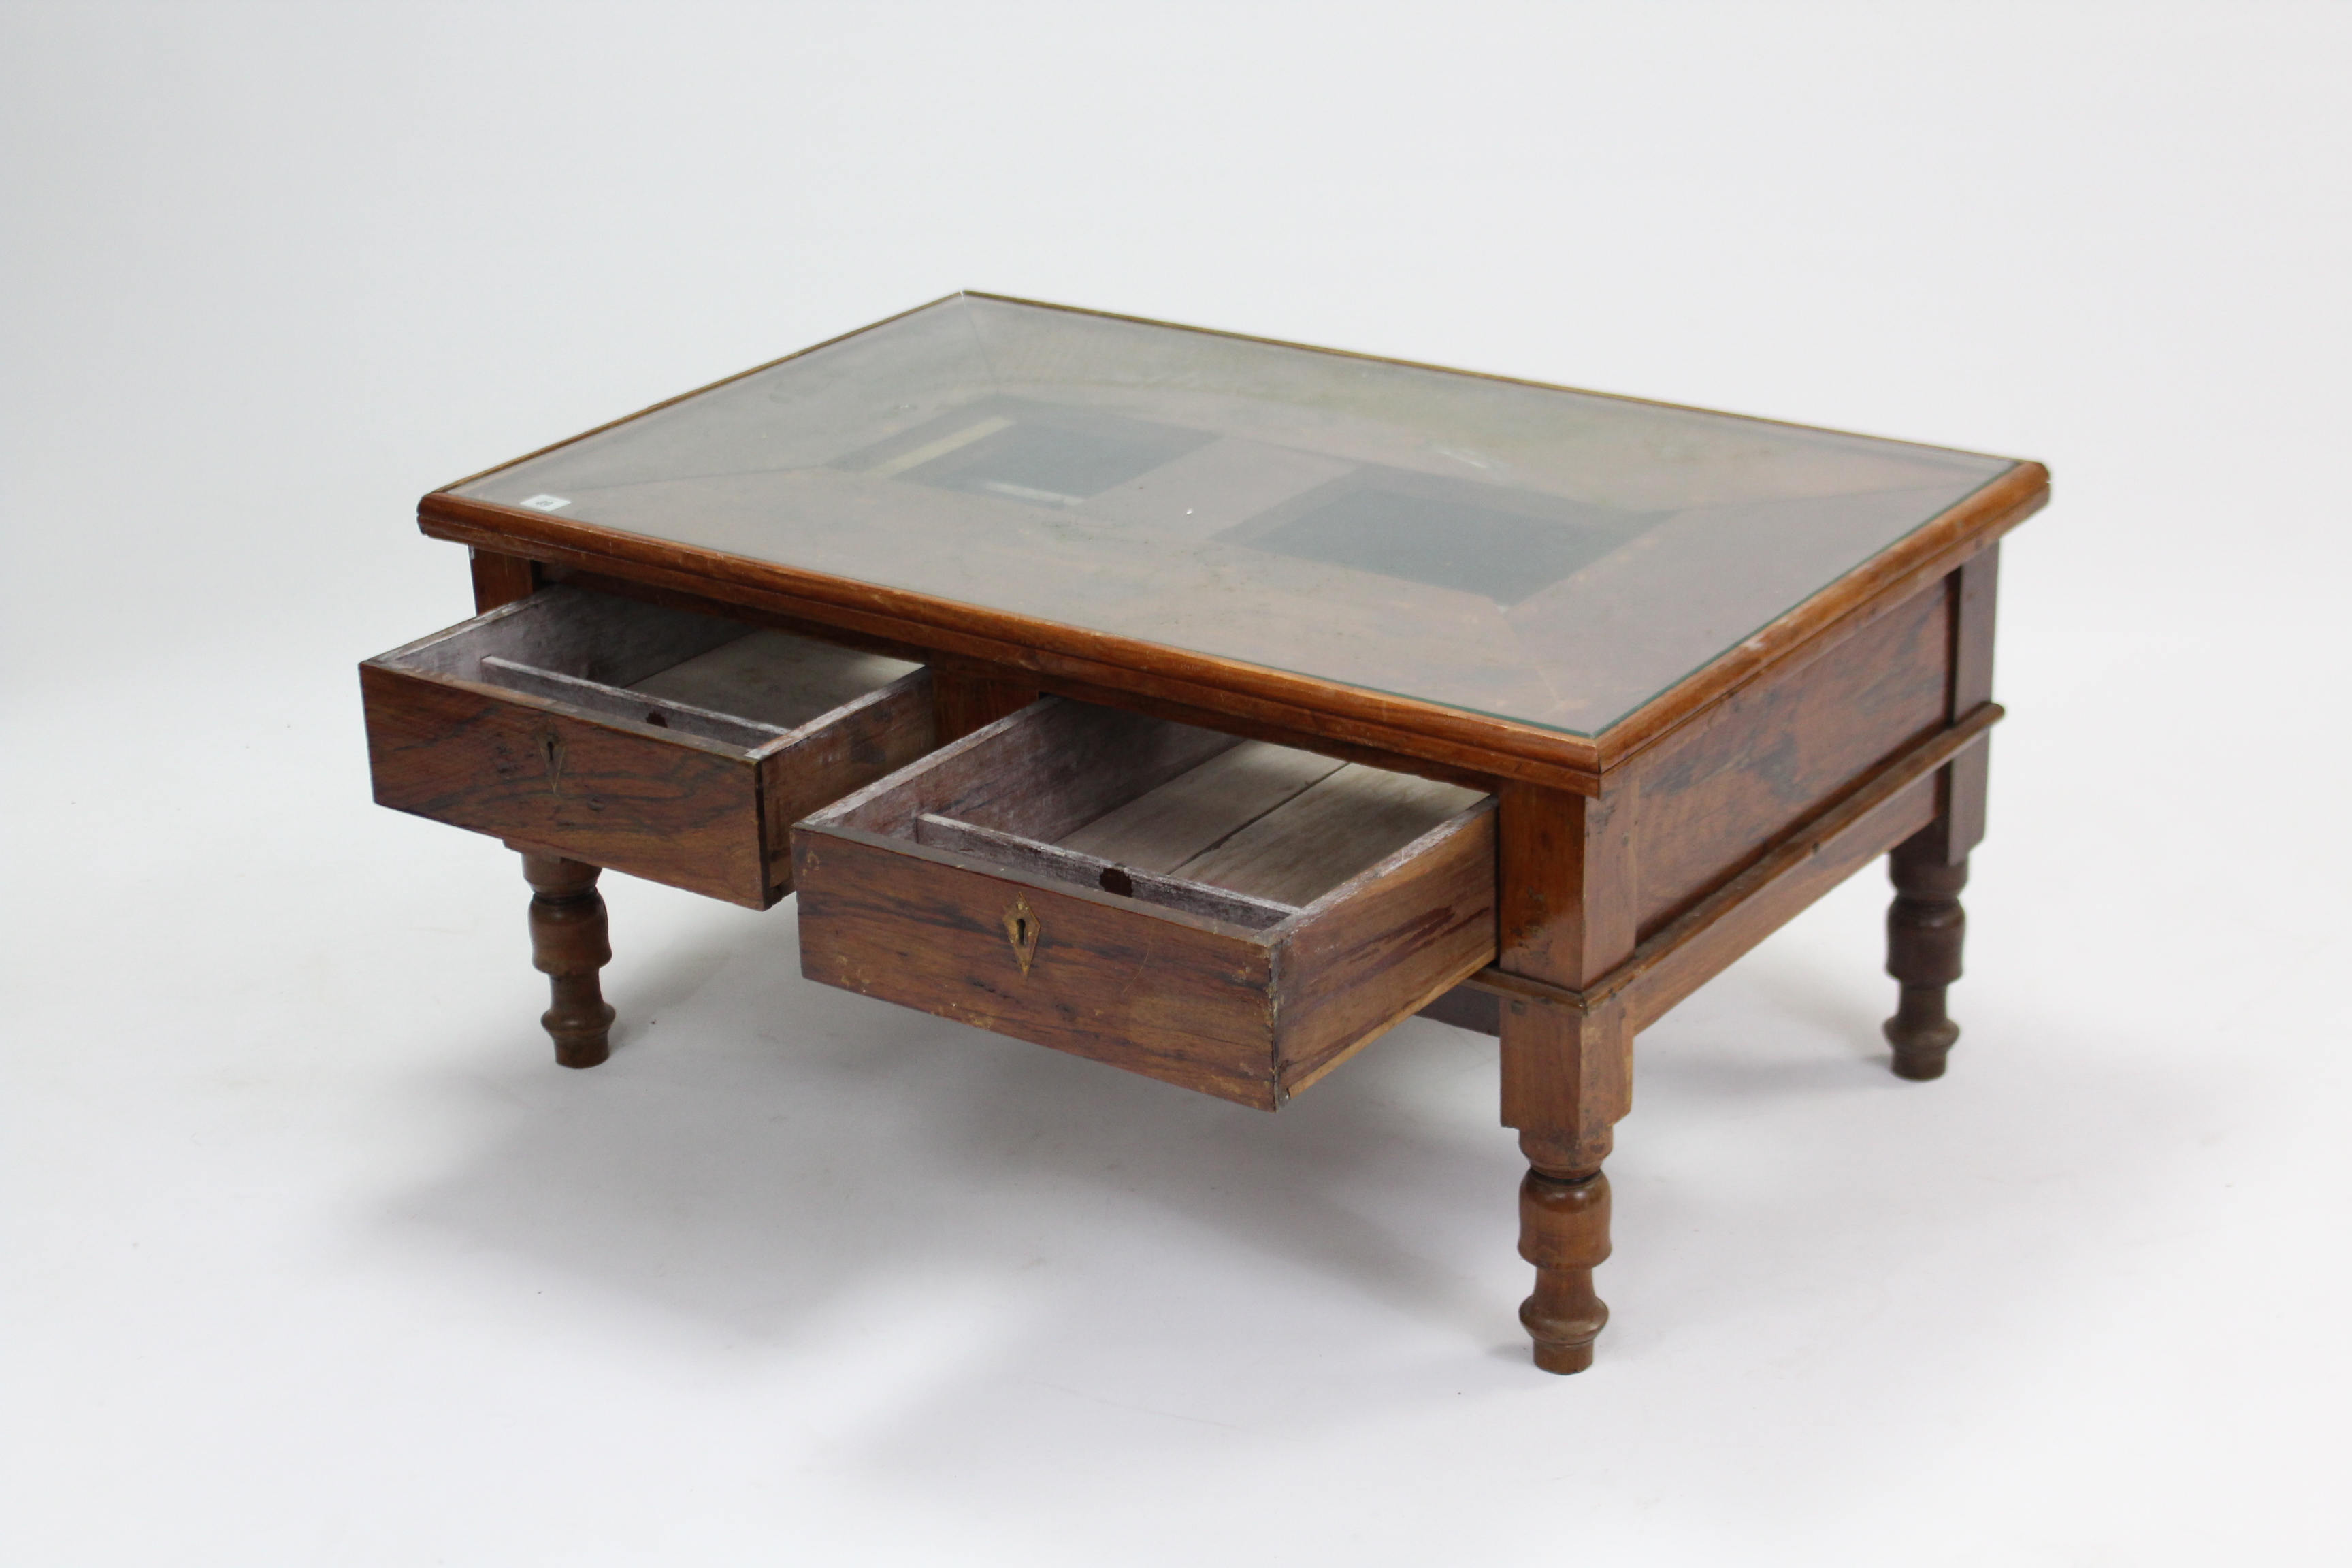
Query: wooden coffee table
point(1205, 706)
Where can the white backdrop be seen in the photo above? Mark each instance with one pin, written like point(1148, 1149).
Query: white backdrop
point(315, 1258)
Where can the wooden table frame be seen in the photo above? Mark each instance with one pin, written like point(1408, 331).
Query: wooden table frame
point(1633, 865)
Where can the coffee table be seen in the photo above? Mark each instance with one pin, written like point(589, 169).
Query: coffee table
point(1205, 706)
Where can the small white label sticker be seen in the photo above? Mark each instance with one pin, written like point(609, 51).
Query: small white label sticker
point(547, 503)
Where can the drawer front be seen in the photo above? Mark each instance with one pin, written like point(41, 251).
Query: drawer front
point(654, 807)
point(1100, 977)
point(1211, 987)
point(633, 780)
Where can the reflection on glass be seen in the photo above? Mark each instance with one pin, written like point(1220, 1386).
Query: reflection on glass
point(1550, 557)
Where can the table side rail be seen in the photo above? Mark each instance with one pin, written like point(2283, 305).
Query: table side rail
point(1889, 806)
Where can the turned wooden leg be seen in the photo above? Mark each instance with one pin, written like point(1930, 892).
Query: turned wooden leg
point(1566, 1079)
point(569, 944)
point(1564, 1232)
point(1925, 927)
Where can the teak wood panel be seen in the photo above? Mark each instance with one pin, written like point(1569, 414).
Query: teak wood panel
point(1389, 944)
point(1716, 793)
point(1567, 881)
point(968, 702)
point(1713, 947)
point(501, 579)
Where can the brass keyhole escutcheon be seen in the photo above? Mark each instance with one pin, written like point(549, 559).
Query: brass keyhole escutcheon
point(1020, 925)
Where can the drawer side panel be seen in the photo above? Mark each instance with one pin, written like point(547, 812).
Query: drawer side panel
point(1403, 934)
point(657, 809)
point(875, 736)
point(1106, 980)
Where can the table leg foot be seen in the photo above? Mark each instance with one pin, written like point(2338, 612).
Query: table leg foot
point(1567, 1077)
point(569, 943)
point(1925, 929)
point(1564, 1232)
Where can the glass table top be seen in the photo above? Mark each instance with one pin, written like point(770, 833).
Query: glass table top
point(1553, 557)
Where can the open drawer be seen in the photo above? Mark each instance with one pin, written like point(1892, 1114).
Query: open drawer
point(673, 746)
point(1231, 916)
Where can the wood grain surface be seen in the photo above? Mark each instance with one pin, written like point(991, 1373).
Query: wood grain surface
point(1153, 990)
point(501, 579)
point(968, 702)
point(1959, 824)
point(1717, 792)
point(1166, 828)
point(1569, 882)
point(1326, 833)
point(1386, 944)
point(774, 678)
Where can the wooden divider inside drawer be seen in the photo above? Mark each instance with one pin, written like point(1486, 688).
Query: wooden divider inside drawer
point(1228, 915)
point(673, 746)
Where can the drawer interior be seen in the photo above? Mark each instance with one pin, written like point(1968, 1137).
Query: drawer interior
point(1242, 831)
point(649, 665)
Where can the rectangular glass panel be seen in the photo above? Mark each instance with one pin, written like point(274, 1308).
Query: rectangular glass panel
point(1544, 555)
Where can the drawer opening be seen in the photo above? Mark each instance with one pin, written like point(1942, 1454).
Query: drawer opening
point(718, 680)
point(1244, 832)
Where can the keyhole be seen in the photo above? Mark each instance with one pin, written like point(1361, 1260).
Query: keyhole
point(1020, 925)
